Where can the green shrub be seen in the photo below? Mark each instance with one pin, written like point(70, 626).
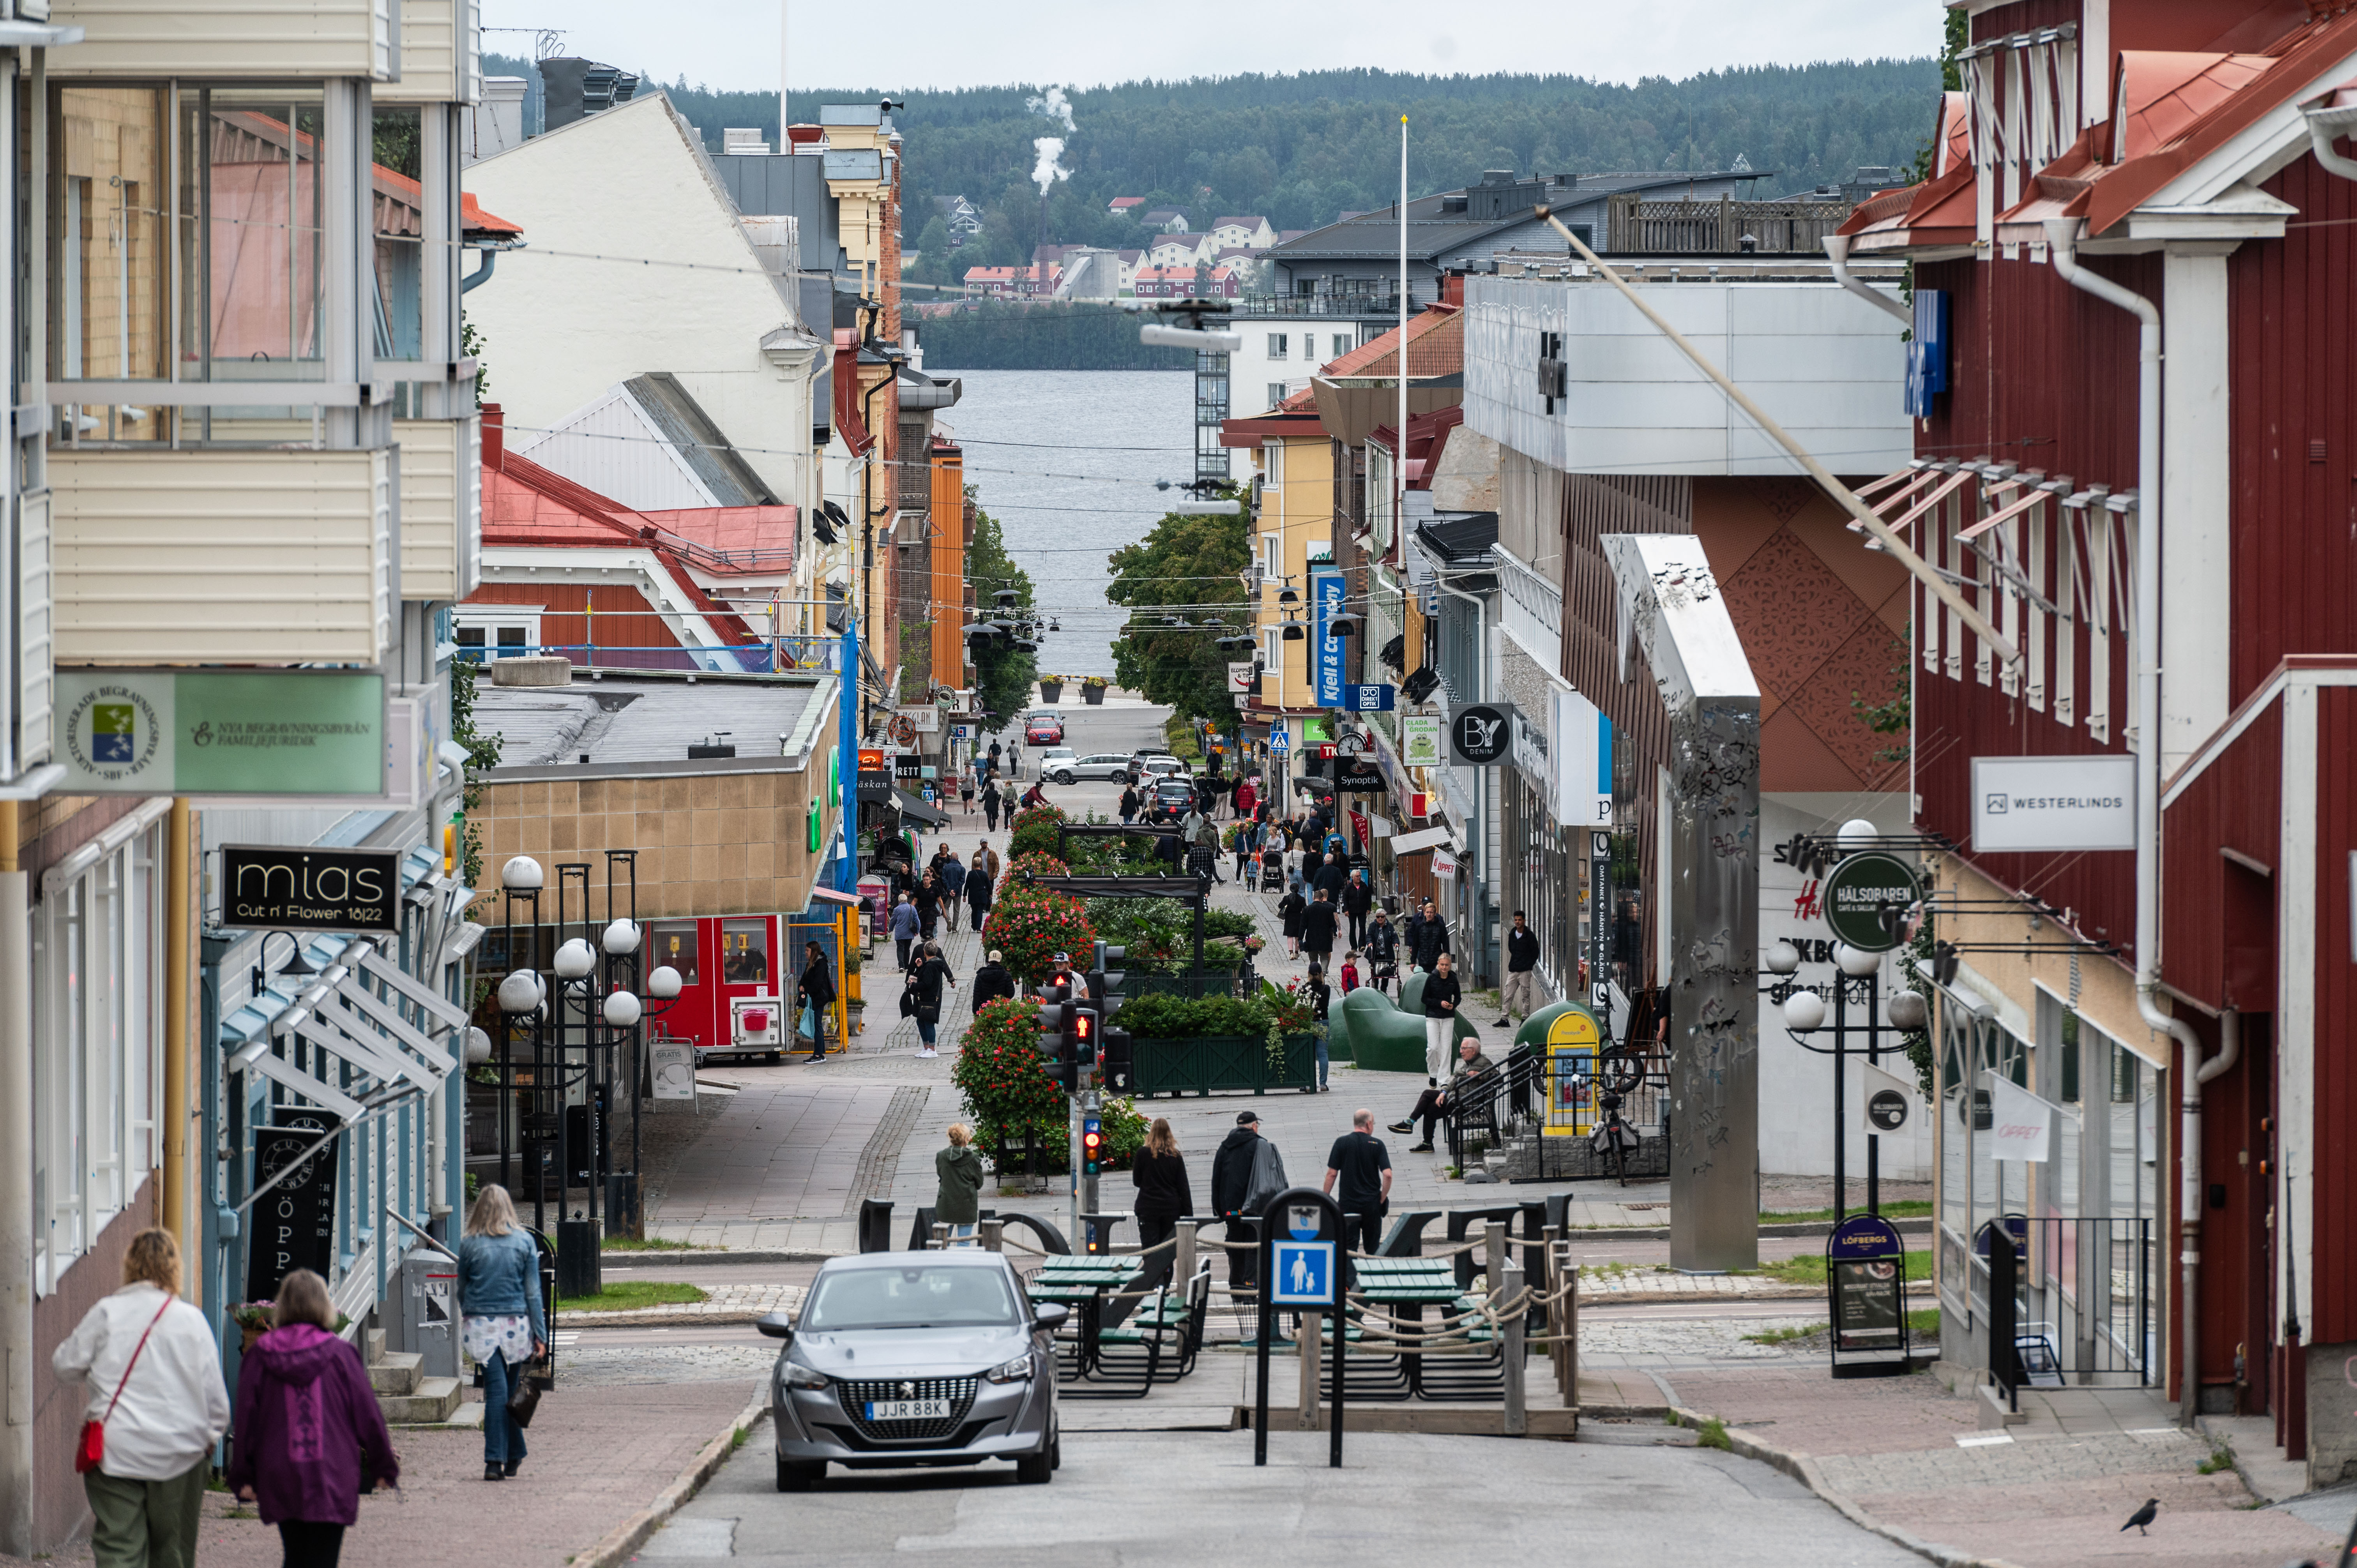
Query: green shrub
point(1035, 830)
point(1162, 1016)
point(1030, 925)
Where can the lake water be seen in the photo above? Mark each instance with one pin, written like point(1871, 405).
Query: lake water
point(1066, 461)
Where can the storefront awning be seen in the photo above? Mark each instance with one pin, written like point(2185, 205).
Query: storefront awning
point(915, 806)
point(364, 1012)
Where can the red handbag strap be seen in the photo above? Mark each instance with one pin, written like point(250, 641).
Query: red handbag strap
point(135, 1359)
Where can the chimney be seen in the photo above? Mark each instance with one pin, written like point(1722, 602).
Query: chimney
point(495, 438)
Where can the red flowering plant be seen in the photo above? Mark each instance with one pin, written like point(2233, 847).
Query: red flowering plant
point(1031, 925)
point(1035, 830)
point(1005, 1080)
point(1031, 863)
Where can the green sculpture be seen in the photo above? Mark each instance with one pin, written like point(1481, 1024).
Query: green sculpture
point(1372, 1030)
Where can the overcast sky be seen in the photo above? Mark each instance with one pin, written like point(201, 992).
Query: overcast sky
point(958, 43)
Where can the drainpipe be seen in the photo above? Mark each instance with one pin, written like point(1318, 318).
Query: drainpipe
point(1838, 252)
point(179, 1212)
point(2324, 124)
point(481, 275)
point(17, 1364)
point(2189, 1198)
point(2061, 234)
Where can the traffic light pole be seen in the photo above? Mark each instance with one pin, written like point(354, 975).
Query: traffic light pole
point(1086, 1107)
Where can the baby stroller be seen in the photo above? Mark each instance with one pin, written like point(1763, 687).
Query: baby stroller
point(1384, 978)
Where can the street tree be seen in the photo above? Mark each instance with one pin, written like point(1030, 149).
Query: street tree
point(1187, 569)
point(1003, 675)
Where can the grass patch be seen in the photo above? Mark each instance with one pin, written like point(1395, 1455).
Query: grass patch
point(1910, 1209)
point(736, 1439)
point(1809, 1270)
point(1712, 1435)
point(2221, 1457)
point(1787, 1333)
point(1925, 1323)
point(632, 1295)
point(1178, 738)
point(653, 1244)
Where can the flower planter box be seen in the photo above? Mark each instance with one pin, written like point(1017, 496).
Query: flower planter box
point(1092, 696)
point(1220, 1064)
point(1051, 690)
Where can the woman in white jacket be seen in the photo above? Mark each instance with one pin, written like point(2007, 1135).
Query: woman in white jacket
point(156, 1385)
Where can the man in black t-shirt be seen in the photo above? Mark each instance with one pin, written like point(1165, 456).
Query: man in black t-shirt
point(1364, 1166)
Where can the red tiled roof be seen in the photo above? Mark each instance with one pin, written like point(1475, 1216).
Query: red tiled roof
point(1436, 347)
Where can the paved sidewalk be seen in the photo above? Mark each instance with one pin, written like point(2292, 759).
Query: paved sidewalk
point(2043, 1494)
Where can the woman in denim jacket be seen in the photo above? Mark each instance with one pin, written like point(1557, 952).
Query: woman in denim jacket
point(499, 1297)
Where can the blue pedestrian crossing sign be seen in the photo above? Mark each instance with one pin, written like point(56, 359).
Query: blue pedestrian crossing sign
point(1301, 1274)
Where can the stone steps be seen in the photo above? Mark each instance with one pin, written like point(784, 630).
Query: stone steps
point(394, 1374)
point(431, 1402)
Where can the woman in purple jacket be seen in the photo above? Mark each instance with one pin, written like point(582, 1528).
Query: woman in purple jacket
point(305, 1419)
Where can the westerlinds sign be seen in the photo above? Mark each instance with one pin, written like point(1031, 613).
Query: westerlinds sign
point(273, 887)
point(188, 732)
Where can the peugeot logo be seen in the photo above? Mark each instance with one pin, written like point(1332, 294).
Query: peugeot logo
point(908, 1390)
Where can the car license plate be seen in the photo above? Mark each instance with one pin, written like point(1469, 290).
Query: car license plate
point(907, 1410)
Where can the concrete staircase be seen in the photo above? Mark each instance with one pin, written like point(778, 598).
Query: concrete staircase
point(407, 1397)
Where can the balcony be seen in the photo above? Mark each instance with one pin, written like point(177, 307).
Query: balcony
point(441, 507)
point(1723, 227)
point(249, 39)
point(222, 557)
point(1315, 306)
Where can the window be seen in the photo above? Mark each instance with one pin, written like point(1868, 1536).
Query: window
point(1276, 344)
point(1272, 556)
point(674, 944)
point(1342, 344)
point(745, 953)
point(97, 1031)
point(500, 631)
point(1275, 393)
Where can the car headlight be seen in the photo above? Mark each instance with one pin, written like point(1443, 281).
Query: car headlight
point(797, 1376)
point(1018, 1370)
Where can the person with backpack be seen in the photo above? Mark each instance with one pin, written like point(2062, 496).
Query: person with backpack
point(310, 1435)
point(155, 1407)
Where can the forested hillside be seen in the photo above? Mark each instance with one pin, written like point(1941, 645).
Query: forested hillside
point(1300, 149)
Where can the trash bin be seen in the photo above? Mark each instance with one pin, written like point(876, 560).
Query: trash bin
point(427, 1322)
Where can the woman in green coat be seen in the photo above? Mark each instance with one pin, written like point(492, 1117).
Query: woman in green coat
point(958, 1202)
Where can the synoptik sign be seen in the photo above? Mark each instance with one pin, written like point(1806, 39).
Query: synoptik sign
point(274, 888)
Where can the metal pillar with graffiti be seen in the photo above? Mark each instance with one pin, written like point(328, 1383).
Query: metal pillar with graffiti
point(1671, 615)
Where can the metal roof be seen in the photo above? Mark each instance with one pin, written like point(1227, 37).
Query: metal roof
point(644, 722)
point(1461, 538)
point(1433, 231)
point(701, 444)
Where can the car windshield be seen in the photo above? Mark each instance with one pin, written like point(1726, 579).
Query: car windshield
point(915, 1296)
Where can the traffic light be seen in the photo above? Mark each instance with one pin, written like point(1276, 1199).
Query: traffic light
point(1055, 1038)
point(1085, 1033)
point(1113, 1059)
point(1092, 1147)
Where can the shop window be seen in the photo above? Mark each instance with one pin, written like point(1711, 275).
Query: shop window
point(97, 1030)
point(674, 944)
point(745, 953)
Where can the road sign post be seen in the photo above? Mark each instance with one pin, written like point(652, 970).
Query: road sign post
point(1314, 1259)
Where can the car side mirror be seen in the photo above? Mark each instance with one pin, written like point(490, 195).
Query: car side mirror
point(1050, 1315)
point(775, 1326)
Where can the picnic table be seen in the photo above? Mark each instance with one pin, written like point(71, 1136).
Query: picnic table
point(1081, 1283)
point(1404, 1287)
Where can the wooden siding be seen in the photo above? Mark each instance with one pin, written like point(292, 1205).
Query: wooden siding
point(2217, 918)
point(2044, 376)
point(222, 557)
point(437, 63)
point(2333, 1190)
point(441, 512)
point(269, 40)
point(623, 617)
point(2294, 336)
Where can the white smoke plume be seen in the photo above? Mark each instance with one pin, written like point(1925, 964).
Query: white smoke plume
point(1054, 106)
point(1048, 168)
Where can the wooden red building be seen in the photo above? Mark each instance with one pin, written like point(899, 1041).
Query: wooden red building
point(2182, 156)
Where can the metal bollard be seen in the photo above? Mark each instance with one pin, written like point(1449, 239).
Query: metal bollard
point(1517, 1355)
point(993, 1233)
point(1313, 1325)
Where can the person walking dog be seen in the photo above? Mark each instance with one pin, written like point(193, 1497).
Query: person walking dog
point(310, 1435)
point(498, 1298)
point(155, 1407)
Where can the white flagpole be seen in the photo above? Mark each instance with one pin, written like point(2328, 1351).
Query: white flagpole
point(1399, 442)
point(784, 118)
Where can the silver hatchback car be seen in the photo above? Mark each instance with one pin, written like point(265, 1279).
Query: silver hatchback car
point(900, 1360)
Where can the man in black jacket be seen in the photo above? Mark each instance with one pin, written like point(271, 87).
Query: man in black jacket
point(1383, 949)
point(1231, 1169)
point(1431, 937)
point(992, 983)
point(1318, 924)
point(1357, 899)
point(1522, 967)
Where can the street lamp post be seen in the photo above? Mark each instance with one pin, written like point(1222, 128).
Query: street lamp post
point(1859, 984)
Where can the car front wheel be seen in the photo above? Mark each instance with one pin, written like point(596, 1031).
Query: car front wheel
point(1037, 1469)
point(795, 1476)
point(1063, 779)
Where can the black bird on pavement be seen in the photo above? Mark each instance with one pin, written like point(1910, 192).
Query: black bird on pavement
point(2143, 1516)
